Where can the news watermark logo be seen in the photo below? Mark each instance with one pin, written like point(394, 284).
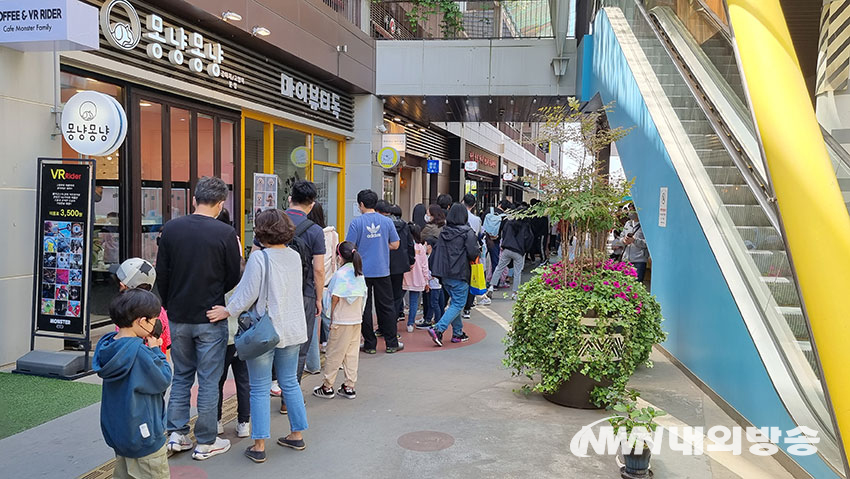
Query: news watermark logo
point(690, 440)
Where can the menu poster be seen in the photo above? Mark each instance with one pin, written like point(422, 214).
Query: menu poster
point(265, 192)
point(63, 252)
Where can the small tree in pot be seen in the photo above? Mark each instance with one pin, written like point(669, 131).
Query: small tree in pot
point(634, 427)
point(583, 325)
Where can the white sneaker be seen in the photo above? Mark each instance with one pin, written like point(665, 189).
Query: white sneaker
point(243, 429)
point(409, 328)
point(483, 300)
point(179, 442)
point(275, 389)
point(220, 428)
point(206, 451)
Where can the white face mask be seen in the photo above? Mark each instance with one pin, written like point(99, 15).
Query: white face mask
point(428, 218)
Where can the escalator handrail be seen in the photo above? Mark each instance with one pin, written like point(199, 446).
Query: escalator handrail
point(835, 146)
point(706, 11)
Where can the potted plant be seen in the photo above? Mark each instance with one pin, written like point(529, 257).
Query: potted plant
point(634, 427)
point(582, 325)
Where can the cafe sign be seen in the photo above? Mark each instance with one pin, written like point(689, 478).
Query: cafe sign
point(484, 162)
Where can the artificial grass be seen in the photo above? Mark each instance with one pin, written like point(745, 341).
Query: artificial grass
point(27, 401)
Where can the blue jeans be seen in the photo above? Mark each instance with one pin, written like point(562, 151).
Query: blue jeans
point(414, 306)
point(260, 373)
point(457, 291)
point(435, 312)
point(196, 348)
point(314, 363)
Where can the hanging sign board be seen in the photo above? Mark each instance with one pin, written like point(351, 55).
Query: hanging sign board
point(265, 192)
point(63, 246)
point(470, 166)
point(28, 25)
point(394, 140)
point(508, 176)
point(388, 157)
point(93, 123)
point(433, 166)
point(662, 208)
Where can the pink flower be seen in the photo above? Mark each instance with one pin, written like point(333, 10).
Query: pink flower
point(616, 284)
point(634, 296)
point(572, 284)
point(628, 289)
point(587, 288)
point(605, 283)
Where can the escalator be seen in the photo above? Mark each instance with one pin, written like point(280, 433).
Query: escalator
point(690, 51)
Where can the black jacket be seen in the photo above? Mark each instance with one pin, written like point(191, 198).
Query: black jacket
point(517, 236)
point(405, 255)
point(455, 248)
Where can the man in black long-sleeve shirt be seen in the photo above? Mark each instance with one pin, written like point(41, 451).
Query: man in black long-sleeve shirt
point(197, 263)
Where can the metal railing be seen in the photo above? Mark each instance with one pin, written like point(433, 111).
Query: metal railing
point(350, 9)
point(393, 20)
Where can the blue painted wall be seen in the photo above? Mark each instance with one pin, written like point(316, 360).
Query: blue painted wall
point(705, 329)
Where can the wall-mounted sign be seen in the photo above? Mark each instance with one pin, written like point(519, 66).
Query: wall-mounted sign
point(662, 208)
point(508, 176)
point(63, 248)
point(316, 97)
point(179, 46)
point(300, 157)
point(265, 192)
point(181, 49)
point(48, 24)
point(433, 166)
point(93, 123)
point(487, 162)
point(388, 157)
point(470, 166)
point(394, 140)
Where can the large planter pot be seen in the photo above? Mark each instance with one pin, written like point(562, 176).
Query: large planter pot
point(576, 392)
point(636, 465)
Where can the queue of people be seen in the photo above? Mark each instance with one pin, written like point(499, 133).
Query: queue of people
point(316, 292)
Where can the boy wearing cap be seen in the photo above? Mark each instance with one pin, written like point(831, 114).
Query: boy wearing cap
point(138, 273)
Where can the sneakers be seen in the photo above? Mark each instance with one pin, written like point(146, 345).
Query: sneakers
point(219, 428)
point(256, 456)
point(409, 328)
point(484, 300)
point(368, 351)
point(424, 325)
point(206, 451)
point(321, 392)
point(460, 339)
point(179, 442)
point(297, 444)
point(378, 333)
point(436, 336)
point(243, 429)
point(347, 392)
point(275, 389)
point(307, 371)
point(396, 349)
point(465, 314)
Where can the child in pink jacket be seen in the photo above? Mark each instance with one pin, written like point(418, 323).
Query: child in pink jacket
point(416, 280)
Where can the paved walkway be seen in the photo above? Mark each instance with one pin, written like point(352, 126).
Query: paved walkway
point(426, 412)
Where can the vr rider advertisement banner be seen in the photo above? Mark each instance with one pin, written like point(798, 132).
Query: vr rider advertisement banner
point(63, 251)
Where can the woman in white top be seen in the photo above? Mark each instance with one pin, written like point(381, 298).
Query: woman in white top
point(285, 306)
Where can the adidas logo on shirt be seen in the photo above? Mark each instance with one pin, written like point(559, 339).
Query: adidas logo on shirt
point(374, 231)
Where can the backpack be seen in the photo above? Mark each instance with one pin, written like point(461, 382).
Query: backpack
point(492, 223)
point(300, 246)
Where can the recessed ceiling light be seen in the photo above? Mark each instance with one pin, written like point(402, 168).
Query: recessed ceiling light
point(396, 119)
point(410, 125)
point(231, 17)
point(260, 31)
point(422, 129)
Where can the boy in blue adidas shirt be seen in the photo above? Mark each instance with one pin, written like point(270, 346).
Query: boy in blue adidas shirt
point(135, 377)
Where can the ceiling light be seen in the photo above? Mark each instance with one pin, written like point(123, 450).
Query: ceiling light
point(467, 100)
point(396, 119)
point(424, 101)
point(260, 31)
point(402, 101)
point(231, 17)
point(410, 125)
point(144, 104)
point(490, 101)
point(534, 100)
point(447, 100)
point(421, 130)
point(512, 100)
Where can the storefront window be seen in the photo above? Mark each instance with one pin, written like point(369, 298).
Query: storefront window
point(291, 157)
point(151, 148)
point(389, 188)
point(180, 136)
point(226, 135)
point(471, 188)
point(206, 146)
point(326, 179)
point(325, 150)
point(254, 155)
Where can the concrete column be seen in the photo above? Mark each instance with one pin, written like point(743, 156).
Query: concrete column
point(361, 172)
point(26, 98)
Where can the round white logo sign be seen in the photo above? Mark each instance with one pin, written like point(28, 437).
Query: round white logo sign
point(388, 157)
point(123, 35)
point(300, 157)
point(93, 123)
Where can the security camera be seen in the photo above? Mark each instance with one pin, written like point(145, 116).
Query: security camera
point(381, 128)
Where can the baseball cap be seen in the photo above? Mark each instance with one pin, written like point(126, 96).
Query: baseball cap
point(134, 272)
